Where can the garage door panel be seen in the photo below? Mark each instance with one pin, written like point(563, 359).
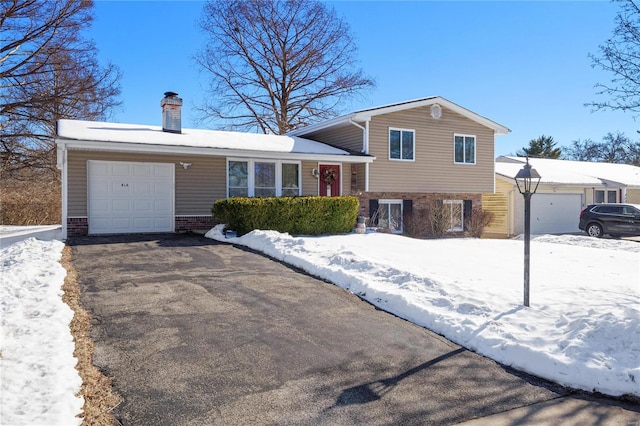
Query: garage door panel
point(143, 223)
point(121, 224)
point(161, 206)
point(142, 188)
point(101, 204)
point(100, 169)
point(143, 206)
point(161, 189)
point(120, 170)
point(119, 188)
point(130, 197)
point(165, 172)
point(100, 224)
point(161, 222)
point(121, 205)
point(143, 170)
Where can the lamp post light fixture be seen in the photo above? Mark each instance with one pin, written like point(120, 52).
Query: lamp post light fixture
point(524, 181)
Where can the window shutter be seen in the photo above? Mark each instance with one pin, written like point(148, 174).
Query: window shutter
point(466, 211)
point(407, 208)
point(373, 208)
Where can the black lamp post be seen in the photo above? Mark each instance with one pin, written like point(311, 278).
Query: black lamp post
point(524, 180)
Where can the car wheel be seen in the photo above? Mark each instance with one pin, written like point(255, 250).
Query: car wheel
point(594, 230)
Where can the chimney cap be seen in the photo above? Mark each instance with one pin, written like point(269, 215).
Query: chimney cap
point(169, 94)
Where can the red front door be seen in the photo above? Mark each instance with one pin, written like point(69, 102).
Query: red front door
point(329, 180)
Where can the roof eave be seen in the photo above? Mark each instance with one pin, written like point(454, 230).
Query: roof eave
point(74, 144)
point(367, 114)
point(337, 121)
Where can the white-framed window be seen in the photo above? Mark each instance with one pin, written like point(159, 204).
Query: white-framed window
point(455, 211)
point(390, 215)
point(402, 143)
point(262, 178)
point(606, 196)
point(464, 149)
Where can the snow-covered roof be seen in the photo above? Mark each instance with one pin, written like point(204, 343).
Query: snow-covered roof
point(566, 172)
point(99, 134)
point(366, 114)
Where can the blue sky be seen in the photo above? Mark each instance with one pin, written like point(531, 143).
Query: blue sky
point(522, 64)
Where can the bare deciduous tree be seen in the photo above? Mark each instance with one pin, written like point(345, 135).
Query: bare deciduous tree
point(47, 72)
point(614, 148)
point(276, 65)
point(619, 56)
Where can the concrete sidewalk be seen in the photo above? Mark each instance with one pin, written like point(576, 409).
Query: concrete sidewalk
point(565, 411)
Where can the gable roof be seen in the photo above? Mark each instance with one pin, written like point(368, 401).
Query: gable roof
point(79, 134)
point(568, 172)
point(366, 114)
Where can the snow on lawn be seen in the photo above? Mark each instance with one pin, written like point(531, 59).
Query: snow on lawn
point(582, 329)
point(38, 379)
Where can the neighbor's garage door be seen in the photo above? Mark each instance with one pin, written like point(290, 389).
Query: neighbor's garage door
point(129, 197)
point(555, 213)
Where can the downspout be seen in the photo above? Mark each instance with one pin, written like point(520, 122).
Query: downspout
point(61, 164)
point(365, 149)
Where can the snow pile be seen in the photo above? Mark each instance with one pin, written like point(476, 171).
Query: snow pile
point(38, 376)
point(582, 329)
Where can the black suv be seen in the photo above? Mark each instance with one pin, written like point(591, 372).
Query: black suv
point(613, 219)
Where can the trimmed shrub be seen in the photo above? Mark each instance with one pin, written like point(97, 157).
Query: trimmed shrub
point(478, 220)
point(294, 215)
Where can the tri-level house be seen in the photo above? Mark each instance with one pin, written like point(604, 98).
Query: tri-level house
point(425, 150)
point(130, 178)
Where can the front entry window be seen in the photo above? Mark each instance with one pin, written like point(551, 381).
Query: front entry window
point(262, 178)
point(238, 179)
point(265, 177)
point(290, 180)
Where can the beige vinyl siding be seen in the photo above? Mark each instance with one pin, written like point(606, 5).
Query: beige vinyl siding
point(347, 137)
point(345, 175)
point(196, 188)
point(433, 169)
point(309, 182)
point(633, 196)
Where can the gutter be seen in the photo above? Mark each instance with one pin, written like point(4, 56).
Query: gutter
point(218, 152)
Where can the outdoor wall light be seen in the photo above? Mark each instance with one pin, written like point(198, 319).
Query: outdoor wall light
point(315, 173)
point(524, 181)
point(185, 165)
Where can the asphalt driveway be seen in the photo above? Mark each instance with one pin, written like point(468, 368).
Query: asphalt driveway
point(196, 332)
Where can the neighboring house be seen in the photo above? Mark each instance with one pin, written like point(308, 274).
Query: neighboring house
point(123, 178)
point(426, 149)
point(566, 187)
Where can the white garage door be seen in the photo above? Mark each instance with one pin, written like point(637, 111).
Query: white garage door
point(555, 213)
point(129, 197)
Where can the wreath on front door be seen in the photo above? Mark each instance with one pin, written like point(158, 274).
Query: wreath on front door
point(329, 175)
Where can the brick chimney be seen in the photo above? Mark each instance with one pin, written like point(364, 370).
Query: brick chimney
point(171, 113)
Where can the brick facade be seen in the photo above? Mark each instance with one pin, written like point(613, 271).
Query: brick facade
point(77, 226)
point(420, 205)
point(192, 223)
